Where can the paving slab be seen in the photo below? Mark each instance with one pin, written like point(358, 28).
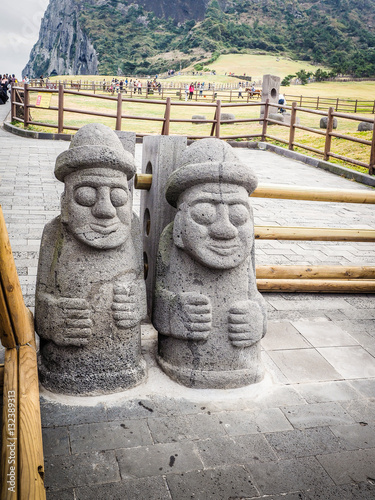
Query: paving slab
point(304, 365)
point(287, 476)
point(324, 392)
point(211, 484)
point(158, 459)
point(149, 488)
point(350, 362)
point(347, 467)
point(318, 414)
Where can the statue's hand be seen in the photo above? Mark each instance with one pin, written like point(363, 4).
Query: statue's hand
point(192, 318)
point(76, 323)
point(125, 305)
point(245, 323)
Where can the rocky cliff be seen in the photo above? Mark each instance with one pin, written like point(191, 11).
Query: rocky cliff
point(62, 48)
point(152, 36)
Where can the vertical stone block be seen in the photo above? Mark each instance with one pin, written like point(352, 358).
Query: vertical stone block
point(271, 91)
point(160, 157)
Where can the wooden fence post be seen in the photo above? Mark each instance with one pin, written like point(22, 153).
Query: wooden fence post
point(317, 103)
point(60, 111)
point(337, 104)
point(355, 106)
point(373, 108)
point(300, 102)
point(12, 106)
point(327, 145)
point(371, 168)
point(265, 120)
point(26, 103)
point(119, 111)
point(292, 129)
point(167, 116)
point(230, 97)
point(218, 117)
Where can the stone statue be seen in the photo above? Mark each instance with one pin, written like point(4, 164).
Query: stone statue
point(207, 310)
point(90, 295)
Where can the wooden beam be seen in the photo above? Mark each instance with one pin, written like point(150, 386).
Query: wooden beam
point(314, 194)
point(6, 330)
point(1, 378)
point(313, 234)
point(318, 285)
point(315, 272)
point(17, 311)
point(9, 449)
point(31, 463)
point(143, 181)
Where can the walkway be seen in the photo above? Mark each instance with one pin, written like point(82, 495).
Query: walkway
point(306, 432)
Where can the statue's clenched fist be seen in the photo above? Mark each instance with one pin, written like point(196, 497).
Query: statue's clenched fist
point(245, 323)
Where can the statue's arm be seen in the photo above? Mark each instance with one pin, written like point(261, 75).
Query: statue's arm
point(64, 320)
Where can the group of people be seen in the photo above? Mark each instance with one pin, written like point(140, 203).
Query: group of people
point(241, 87)
point(5, 85)
point(189, 89)
point(123, 85)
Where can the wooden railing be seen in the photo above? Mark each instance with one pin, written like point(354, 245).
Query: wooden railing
point(324, 103)
point(352, 279)
point(22, 465)
point(217, 107)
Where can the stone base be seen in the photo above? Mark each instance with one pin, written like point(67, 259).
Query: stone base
point(207, 379)
point(95, 383)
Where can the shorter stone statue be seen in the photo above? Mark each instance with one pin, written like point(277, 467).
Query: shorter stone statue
point(207, 309)
point(90, 295)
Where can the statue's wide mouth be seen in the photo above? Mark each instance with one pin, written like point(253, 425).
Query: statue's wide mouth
point(105, 229)
point(224, 248)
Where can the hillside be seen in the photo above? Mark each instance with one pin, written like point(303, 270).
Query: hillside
point(113, 36)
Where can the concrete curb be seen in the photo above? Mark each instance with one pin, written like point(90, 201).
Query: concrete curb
point(263, 146)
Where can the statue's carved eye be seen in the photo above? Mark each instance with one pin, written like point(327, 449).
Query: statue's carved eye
point(85, 196)
point(203, 213)
point(238, 214)
point(119, 197)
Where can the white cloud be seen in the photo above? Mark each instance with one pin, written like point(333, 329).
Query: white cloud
point(19, 28)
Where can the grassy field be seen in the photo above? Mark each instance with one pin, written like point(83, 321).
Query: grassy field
point(240, 63)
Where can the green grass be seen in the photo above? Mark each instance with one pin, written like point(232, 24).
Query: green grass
point(342, 90)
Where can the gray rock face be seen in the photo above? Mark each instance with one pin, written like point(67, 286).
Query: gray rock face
point(62, 48)
point(207, 310)
point(324, 122)
point(365, 126)
point(90, 295)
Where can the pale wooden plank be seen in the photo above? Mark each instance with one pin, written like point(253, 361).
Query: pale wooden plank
point(6, 330)
point(31, 463)
point(12, 288)
point(9, 450)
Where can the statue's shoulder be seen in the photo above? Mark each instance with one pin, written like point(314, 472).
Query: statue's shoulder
point(166, 245)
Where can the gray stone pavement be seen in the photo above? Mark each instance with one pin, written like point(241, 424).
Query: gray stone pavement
point(306, 432)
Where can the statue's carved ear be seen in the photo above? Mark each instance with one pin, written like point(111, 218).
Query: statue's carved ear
point(177, 230)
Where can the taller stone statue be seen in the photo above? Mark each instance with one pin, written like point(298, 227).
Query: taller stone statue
point(90, 295)
point(207, 309)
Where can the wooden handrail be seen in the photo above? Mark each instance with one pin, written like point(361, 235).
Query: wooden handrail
point(144, 181)
point(291, 143)
point(22, 465)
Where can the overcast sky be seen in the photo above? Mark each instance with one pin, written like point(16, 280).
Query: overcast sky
point(19, 28)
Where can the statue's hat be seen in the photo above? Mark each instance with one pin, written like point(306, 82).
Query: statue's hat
point(95, 146)
point(209, 161)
